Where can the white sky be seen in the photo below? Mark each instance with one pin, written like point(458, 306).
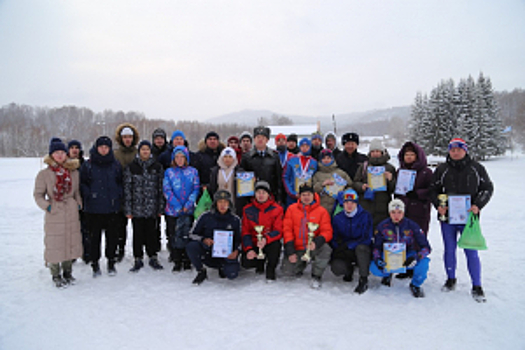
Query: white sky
point(199, 59)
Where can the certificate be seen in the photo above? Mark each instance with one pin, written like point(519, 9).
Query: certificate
point(338, 186)
point(405, 181)
point(245, 184)
point(395, 256)
point(222, 243)
point(299, 181)
point(458, 207)
point(376, 178)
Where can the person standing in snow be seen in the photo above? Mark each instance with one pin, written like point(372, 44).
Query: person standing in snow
point(233, 143)
point(399, 229)
point(220, 217)
point(351, 244)
point(57, 193)
point(375, 202)
point(177, 139)
point(160, 143)
point(349, 159)
point(127, 138)
point(330, 141)
point(143, 204)
point(262, 211)
point(246, 141)
point(206, 158)
point(317, 145)
point(461, 175)
point(280, 145)
point(291, 144)
point(295, 232)
point(181, 189)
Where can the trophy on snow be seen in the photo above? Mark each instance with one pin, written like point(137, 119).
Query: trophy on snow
point(443, 203)
point(312, 226)
point(259, 229)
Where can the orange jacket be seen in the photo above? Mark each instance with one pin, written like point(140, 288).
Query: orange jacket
point(296, 231)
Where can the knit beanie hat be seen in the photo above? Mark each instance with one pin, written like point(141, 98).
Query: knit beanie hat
point(317, 135)
point(177, 133)
point(279, 137)
point(292, 137)
point(458, 143)
point(103, 141)
point(306, 188)
point(305, 141)
point(228, 151)
point(262, 185)
point(211, 134)
point(233, 138)
point(144, 143)
point(74, 143)
point(350, 195)
point(126, 131)
point(376, 145)
point(56, 144)
point(396, 204)
point(158, 133)
point(245, 134)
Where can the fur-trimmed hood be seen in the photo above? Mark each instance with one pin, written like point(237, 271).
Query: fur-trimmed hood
point(202, 146)
point(118, 138)
point(69, 164)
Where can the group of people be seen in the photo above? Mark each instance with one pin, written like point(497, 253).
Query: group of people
point(310, 204)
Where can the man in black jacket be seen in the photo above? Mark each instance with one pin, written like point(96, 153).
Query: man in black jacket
point(264, 162)
point(207, 156)
point(460, 175)
point(349, 159)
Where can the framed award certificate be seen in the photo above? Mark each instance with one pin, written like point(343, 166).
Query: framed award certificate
point(458, 207)
point(395, 256)
point(222, 243)
point(376, 178)
point(245, 184)
point(405, 181)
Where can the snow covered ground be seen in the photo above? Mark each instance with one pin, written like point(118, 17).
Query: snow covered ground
point(159, 310)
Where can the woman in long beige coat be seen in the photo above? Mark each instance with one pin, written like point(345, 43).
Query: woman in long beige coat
point(57, 193)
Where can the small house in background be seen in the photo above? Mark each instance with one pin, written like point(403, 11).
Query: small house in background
point(301, 131)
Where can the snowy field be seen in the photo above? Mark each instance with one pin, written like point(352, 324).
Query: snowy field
point(159, 310)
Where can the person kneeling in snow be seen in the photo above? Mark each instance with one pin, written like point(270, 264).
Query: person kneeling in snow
point(398, 229)
point(200, 250)
point(307, 210)
point(352, 240)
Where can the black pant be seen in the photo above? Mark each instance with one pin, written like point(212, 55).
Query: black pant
point(343, 260)
point(272, 251)
point(86, 236)
point(144, 234)
point(109, 223)
point(122, 231)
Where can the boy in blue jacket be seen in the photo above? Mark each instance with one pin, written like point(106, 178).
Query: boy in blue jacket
point(398, 229)
point(352, 240)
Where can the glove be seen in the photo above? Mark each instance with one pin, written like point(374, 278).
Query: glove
point(412, 195)
point(369, 194)
point(49, 208)
point(410, 262)
point(380, 263)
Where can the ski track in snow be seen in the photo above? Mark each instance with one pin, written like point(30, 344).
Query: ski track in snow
point(157, 309)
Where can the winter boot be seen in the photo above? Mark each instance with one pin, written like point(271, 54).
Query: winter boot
point(154, 263)
point(316, 282)
point(186, 262)
point(68, 278)
point(201, 276)
point(408, 274)
point(59, 281)
point(362, 286)
point(349, 275)
point(120, 254)
point(176, 257)
point(270, 275)
point(96, 269)
point(478, 295)
point(112, 271)
point(221, 273)
point(387, 281)
point(449, 285)
point(417, 292)
point(137, 265)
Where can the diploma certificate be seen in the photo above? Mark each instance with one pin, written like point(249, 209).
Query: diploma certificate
point(458, 207)
point(376, 178)
point(395, 256)
point(245, 184)
point(405, 181)
point(222, 243)
point(338, 186)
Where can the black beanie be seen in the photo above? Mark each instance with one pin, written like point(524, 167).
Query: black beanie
point(74, 143)
point(103, 141)
point(56, 144)
point(292, 137)
point(211, 134)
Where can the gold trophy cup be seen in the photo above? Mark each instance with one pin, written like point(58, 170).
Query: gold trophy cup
point(312, 226)
point(443, 203)
point(259, 229)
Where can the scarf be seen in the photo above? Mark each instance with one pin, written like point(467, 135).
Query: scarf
point(62, 183)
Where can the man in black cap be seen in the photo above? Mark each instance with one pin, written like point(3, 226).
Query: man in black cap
point(264, 162)
point(201, 249)
point(291, 144)
point(349, 159)
point(207, 156)
point(160, 142)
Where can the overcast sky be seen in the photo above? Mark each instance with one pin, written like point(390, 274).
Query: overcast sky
point(199, 59)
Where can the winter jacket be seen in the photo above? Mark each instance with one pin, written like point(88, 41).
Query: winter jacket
point(268, 214)
point(267, 168)
point(379, 206)
point(101, 183)
point(406, 231)
point(328, 173)
point(417, 208)
point(212, 220)
point(293, 171)
point(156, 151)
point(143, 193)
point(349, 232)
point(205, 159)
point(62, 240)
point(126, 155)
point(462, 177)
point(295, 230)
point(316, 151)
point(350, 163)
point(181, 189)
